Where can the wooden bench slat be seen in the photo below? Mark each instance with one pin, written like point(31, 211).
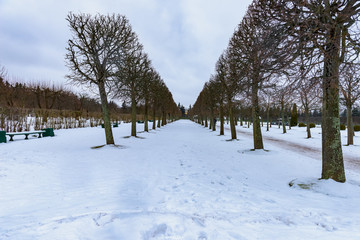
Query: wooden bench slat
point(23, 133)
point(11, 135)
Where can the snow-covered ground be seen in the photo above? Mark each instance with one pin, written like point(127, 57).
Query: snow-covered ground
point(179, 182)
point(298, 135)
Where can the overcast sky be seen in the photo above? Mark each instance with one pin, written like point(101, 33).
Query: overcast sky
point(183, 38)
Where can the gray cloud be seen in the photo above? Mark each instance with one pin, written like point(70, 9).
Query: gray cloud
point(183, 38)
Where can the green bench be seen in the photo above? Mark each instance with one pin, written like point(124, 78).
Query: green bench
point(114, 125)
point(48, 132)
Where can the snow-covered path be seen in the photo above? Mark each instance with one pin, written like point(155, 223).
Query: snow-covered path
point(179, 182)
point(306, 148)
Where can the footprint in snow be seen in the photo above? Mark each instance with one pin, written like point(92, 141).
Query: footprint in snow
point(155, 231)
point(202, 236)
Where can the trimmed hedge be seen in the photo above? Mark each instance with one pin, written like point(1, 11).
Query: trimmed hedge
point(357, 128)
point(342, 127)
point(302, 124)
point(312, 125)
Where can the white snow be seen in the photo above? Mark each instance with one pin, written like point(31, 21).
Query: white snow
point(182, 181)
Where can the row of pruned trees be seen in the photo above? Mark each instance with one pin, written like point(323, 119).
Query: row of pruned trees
point(105, 52)
point(282, 49)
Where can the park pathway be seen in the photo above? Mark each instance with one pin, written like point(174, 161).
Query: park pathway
point(313, 152)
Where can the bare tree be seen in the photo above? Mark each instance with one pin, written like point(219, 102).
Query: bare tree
point(212, 99)
point(3, 73)
point(283, 98)
point(229, 81)
point(93, 53)
point(219, 78)
point(309, 92)
point(350, 89)
point(156, 86)
point(235, 83)
point(327, 25)
point(260, 46)
point(131, 77)
point(149, 77)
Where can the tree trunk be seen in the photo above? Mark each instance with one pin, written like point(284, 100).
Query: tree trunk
point(232, 120)
point(154, 117)
point(332, 157)
point(146, 118)
point(350, 127)
point(163, 122)
point(213, 120)
point(221, 119)
point(106, 114)
point(206, 121)
point(258, 141)
point(287, 120)
point(283, 117)
point(133, 116)
point(159, 121)
point(307, 119)
point(267, 118)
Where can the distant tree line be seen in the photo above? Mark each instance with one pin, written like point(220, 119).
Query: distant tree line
point(44, 96)
point(286, 52)
point(45, 101)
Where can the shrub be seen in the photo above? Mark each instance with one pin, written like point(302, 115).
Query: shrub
point(294, 116)
point(302, 124)
point(312, 125)
point(357, 128)
point(342, 127)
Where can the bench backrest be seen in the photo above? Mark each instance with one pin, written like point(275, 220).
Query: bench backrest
point(2, 137)
point(49, 132)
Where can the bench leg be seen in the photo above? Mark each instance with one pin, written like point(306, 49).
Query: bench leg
point(26, 136)
point(11, 138)
point(39, 135)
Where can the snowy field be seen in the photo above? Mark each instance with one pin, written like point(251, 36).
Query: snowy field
point(179, 182)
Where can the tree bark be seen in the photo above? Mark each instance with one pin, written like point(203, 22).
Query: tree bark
point(133, 116)
point(106, 114)
point(163, 122)
point(146, 118)
point(159, 121)
point(154, 117)
point(332, 157)
point(307, 119)
point(214, 123)
point(287, 120)
point(258, 141)
point(267, 118)
point(350, 126)
point(283, 117)
point(221, 119)
point(232, 121)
